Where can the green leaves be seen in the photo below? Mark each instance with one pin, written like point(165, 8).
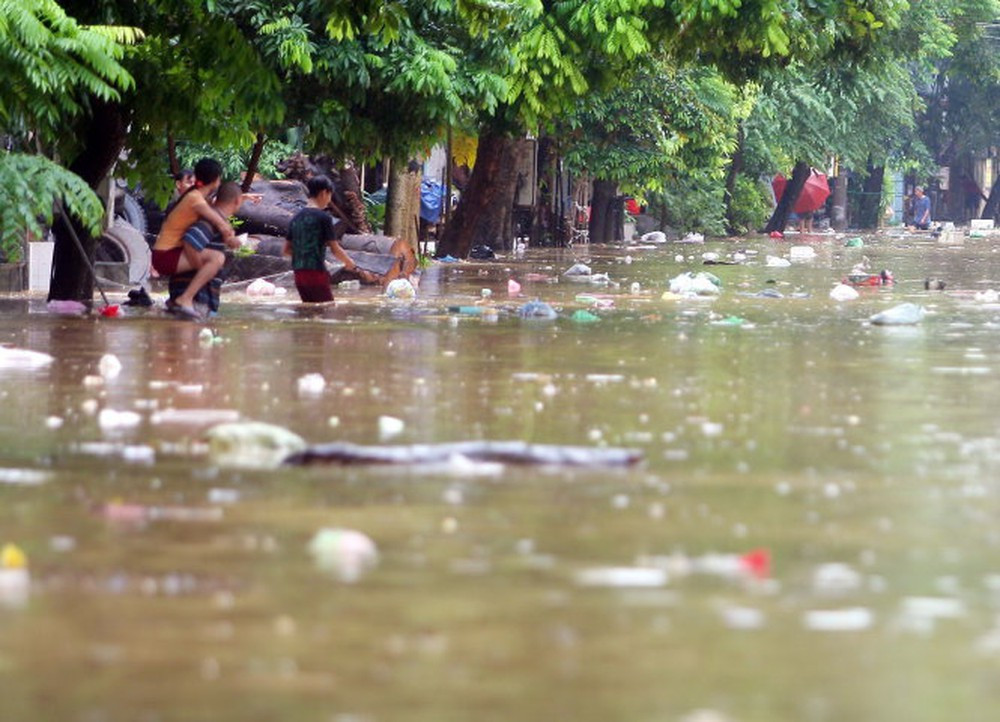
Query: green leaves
point(50, 62)
point(30, 186)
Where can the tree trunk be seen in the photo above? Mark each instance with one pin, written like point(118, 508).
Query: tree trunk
point(103, 141)
point(779, 219)
point(487, 201)
point(992, 207)
point(352, 202)
point(605, 218)
point(839, 220)
point(401, 212)
point(175, 165)
point(258, 148)
point(869, 207)
point(735, 168)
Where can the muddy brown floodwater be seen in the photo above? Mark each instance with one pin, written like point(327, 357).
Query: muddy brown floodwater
point(812, 536)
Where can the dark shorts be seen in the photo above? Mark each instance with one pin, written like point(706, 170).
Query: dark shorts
point(314, 286)
point(165, 262)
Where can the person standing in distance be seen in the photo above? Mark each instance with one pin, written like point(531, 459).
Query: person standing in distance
point(921, 209)
point(310, 233)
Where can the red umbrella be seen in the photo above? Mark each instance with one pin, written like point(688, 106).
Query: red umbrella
point(814, 192)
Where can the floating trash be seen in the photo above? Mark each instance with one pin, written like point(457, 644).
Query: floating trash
point(24, 477)
point(537, 311)
point(581, 316)
point(22, 358)
point(777, 262)
point(15, 581)
point(735, 617)
point(843, 292)
point(634, 577)
point(513, 288)
point(400, 289)
point(905, 314)
point(109, 366)
point(696, 284)
point(801, 253)
point(344, 553)
point(252, 444)
point(693, 237)
point(311, 385)
point(858, 277)
point(578, 269)
point(390, 427)
point(835, 578)
point(987, 296)
point(851, 619)
point(261, 287)
point(654, 237)
point(112, 420)
point(854, 243)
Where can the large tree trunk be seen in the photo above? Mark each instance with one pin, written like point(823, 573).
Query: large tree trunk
point(869, 207)
point(606, 222)
point(352, 202)
point(779, 219)
point(992, 207)
point(735, 168)
point(402, 204)
point(103, 141)
point(485, 207)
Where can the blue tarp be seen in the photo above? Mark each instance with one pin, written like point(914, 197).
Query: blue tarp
point(430, 200)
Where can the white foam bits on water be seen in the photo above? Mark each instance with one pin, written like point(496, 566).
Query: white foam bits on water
point(22, 358)
point(345, 554)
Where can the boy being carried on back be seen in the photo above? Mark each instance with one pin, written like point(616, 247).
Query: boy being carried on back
point(202, 240)
point(171, 255)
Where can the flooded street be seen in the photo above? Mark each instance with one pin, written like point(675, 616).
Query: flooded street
point(812, 534)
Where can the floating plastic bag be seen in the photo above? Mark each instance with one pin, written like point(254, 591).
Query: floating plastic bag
point(696, 284)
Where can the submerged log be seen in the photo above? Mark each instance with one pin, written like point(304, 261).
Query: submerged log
point(505, 452)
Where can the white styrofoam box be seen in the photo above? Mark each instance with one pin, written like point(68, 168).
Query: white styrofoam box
point(39, 265)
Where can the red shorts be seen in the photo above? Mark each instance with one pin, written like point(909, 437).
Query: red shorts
point(165, 262)
point(313, 286)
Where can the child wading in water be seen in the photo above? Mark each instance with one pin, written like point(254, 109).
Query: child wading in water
point(310, 233)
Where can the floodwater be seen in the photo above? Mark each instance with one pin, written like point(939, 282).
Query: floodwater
point(862, 462)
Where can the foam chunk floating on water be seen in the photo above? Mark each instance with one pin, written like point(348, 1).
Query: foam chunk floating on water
point(345, 553)
point(635, 577)
point(252, 444)
point(311, 385)
point(109, 366)
point(905, 314)
point(112, 420)
point(390, 426)
point(507, 452)
point(843, 292)
point(22, 358)
point(852, 619)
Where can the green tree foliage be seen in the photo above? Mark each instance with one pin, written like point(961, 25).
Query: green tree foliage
point(666, 120)
point(30, 188)
point(50, 65)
